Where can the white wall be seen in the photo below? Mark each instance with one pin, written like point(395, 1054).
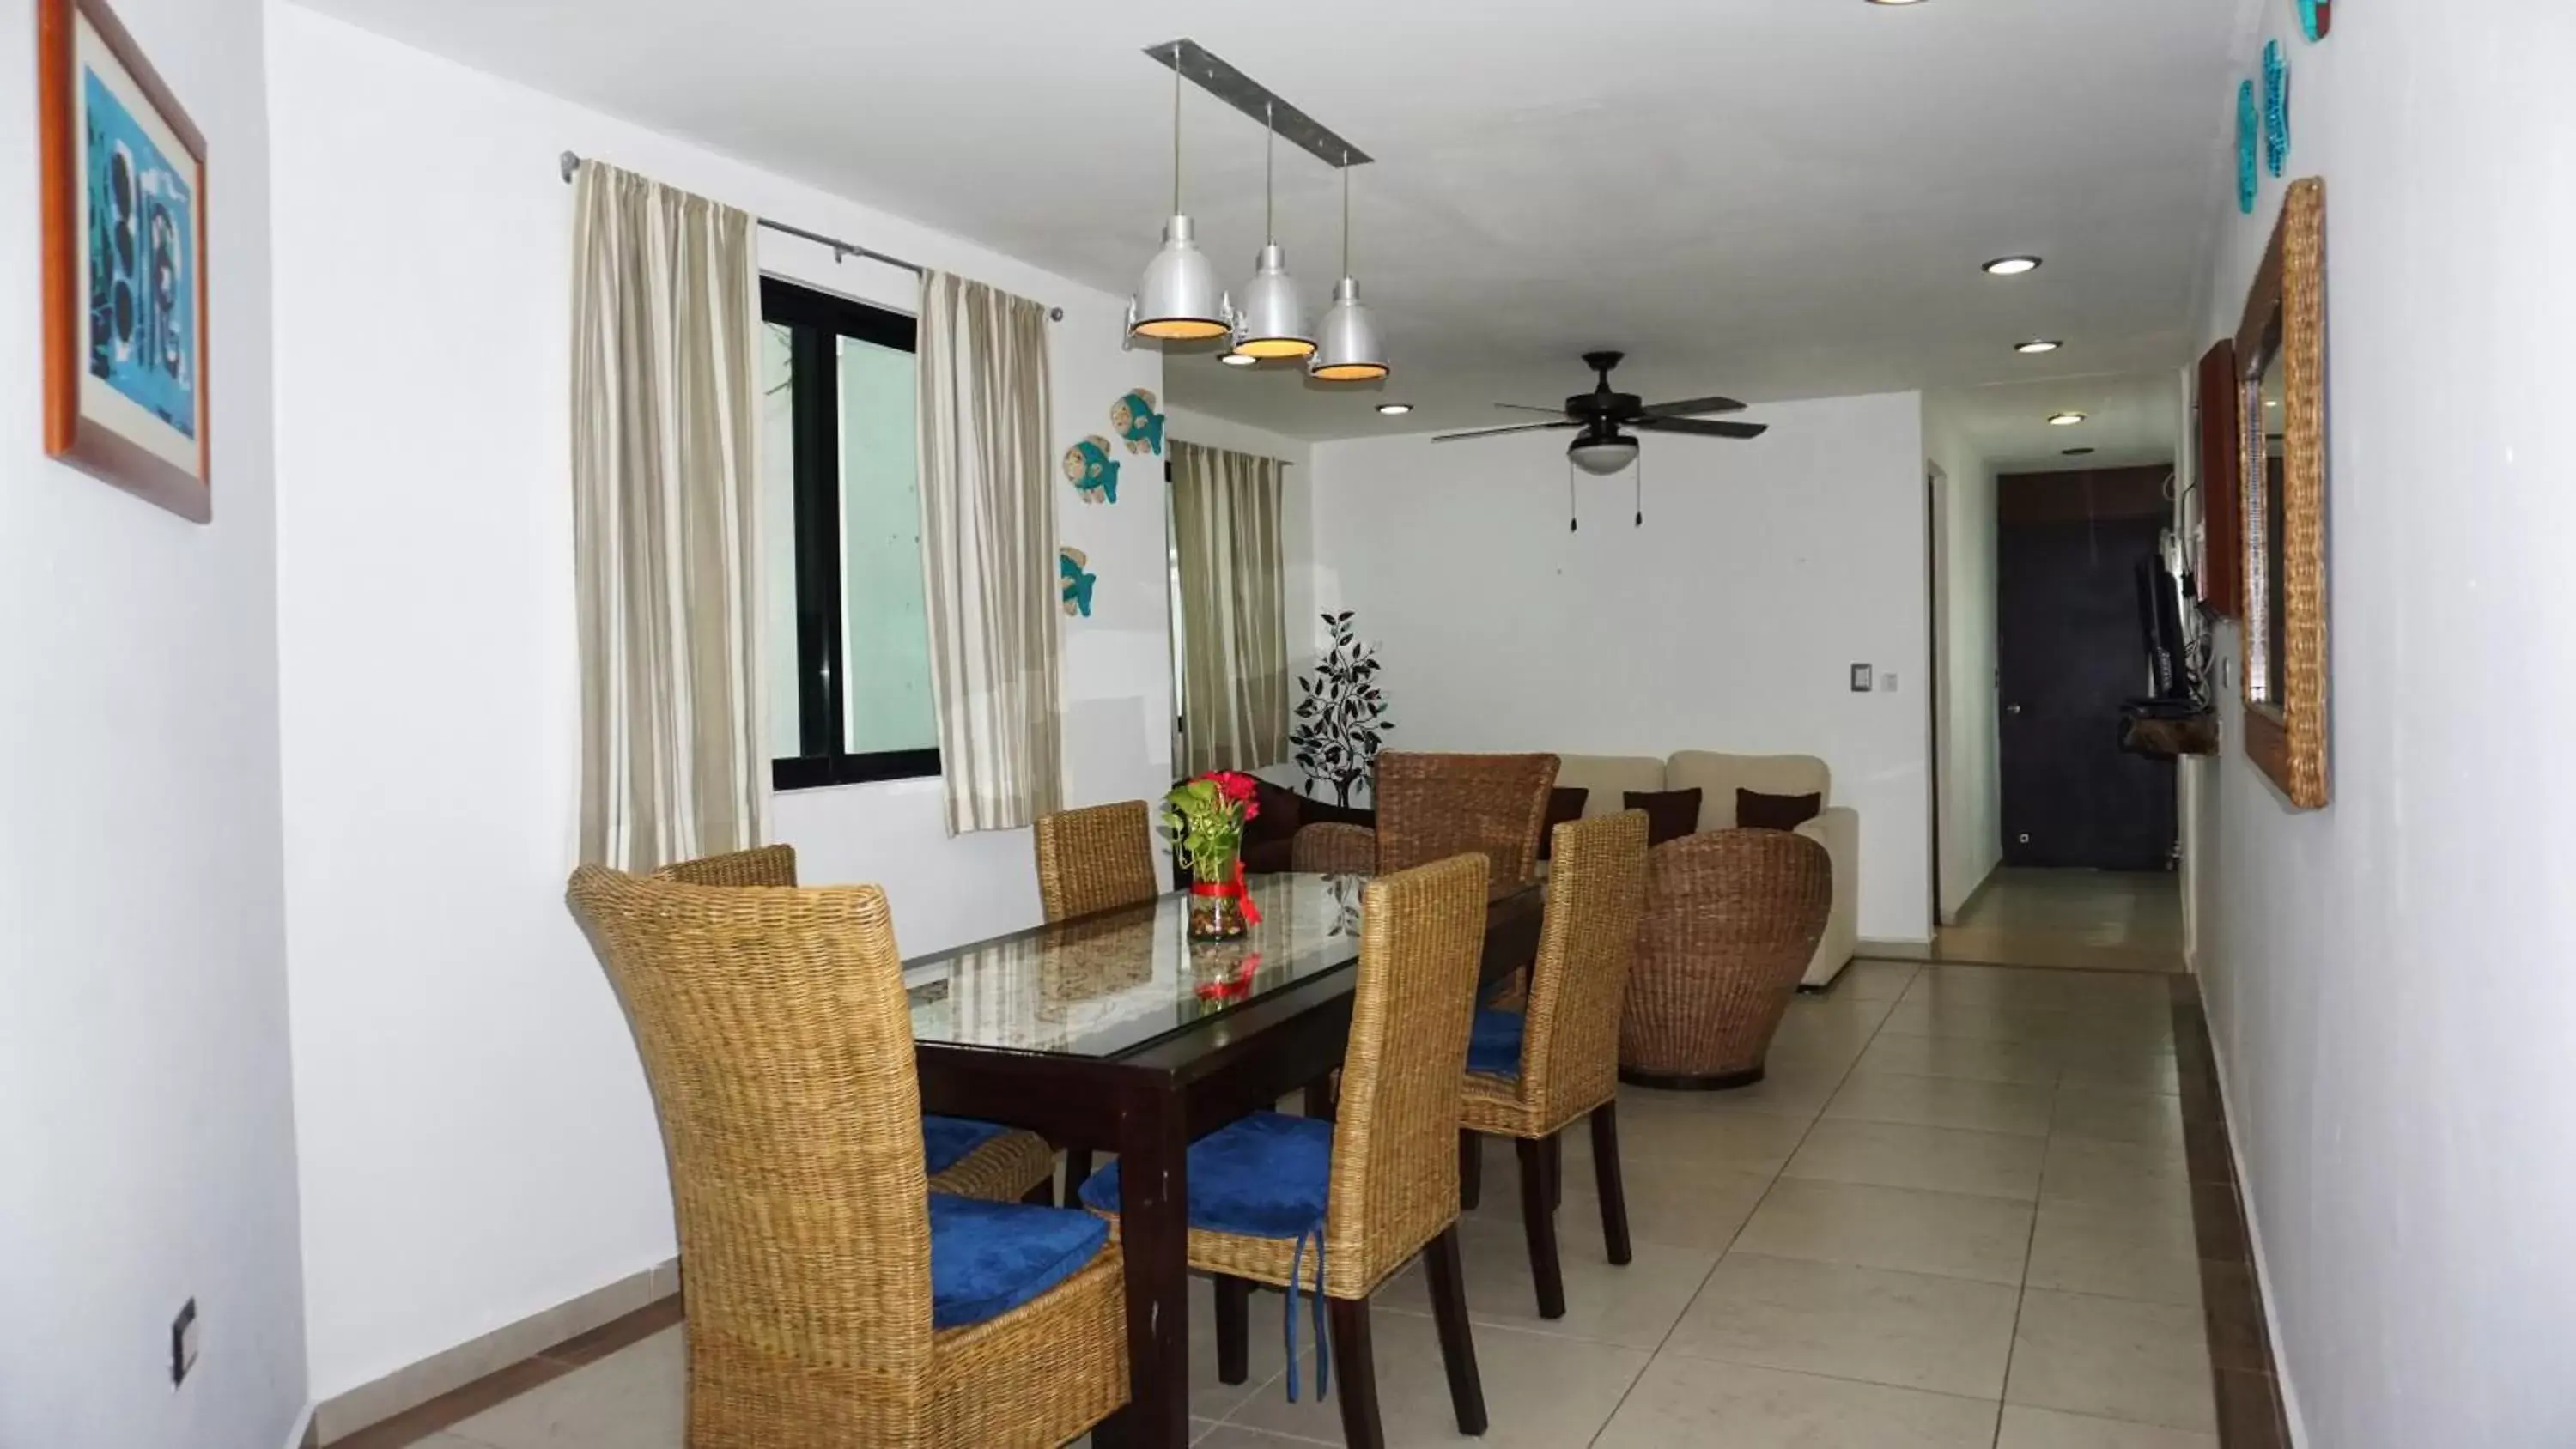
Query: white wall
point(1971, 774)
point(2389, 979)
point(477, 1142)
point(1765, 569)
point(146, 1117)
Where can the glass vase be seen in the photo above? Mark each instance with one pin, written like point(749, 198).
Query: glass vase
point(1216, 902)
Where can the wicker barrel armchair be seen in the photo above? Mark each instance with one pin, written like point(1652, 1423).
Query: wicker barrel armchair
point(1431, 807)
point(1732, 917)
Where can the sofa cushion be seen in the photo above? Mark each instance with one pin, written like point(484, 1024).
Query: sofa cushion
point(1719, 776)
point(1563, 807)
point(1608, 777)
point(1670, 814)
point(1755, 810)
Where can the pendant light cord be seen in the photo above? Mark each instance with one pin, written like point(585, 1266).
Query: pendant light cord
point(1176, 129)
point(1346, 213)
point(1269, 175)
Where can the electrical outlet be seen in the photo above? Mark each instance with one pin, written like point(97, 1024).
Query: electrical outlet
point(1861, 679)
point(183, 1343)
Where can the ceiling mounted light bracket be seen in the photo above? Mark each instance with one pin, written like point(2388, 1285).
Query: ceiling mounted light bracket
point(1193, 63)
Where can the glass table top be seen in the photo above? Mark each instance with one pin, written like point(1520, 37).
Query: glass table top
point(1109, 984)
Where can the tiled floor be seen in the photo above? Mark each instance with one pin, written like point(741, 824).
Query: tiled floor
point(2087, 919)
point(1957, 1213)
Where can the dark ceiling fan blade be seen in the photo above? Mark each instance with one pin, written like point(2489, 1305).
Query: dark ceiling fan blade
point(1692, 406)
point(1698, 428)
point(1498, 432)
point(1555, 412)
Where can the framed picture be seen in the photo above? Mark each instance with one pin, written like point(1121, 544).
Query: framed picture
point(124, 212)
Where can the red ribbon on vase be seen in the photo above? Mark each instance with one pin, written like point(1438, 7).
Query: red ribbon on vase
point(1230, 890)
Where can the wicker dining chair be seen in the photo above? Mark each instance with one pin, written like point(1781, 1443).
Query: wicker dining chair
point(1535, 1072)
point(1098, 858)
point(1430, 807)
point(1336, 1208)
point(831, 1296)
point(1732, 918)
point(965, 1157)
point(1095, 859)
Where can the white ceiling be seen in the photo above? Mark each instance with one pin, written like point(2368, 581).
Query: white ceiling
point(2128, 421)
point(1769, 198)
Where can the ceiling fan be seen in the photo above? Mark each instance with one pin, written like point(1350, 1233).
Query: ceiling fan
point(1601, 448)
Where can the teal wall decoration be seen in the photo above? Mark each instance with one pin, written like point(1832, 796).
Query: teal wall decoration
point(2249, 139)
point(2316, 18)
point(1091, 470)
point(1069, 565)
point(1133, 418)
point(2276, 108)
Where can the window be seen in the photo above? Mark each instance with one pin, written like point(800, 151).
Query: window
point(848, 632)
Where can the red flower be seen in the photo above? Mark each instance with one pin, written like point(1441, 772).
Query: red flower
point(1234, 785)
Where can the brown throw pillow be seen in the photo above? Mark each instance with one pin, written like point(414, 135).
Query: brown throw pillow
point(1757, 811)
point(1564, 806)
point(1670, 814)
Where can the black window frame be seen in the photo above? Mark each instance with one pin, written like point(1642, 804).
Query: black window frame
point(816, 320)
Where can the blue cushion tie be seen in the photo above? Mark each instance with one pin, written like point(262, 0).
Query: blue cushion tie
point(1494, 1050)
point(1266, 1176)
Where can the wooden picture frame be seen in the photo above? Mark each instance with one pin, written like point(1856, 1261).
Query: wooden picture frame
point(122, 207)
point(2280, 366)
point(2216, 403)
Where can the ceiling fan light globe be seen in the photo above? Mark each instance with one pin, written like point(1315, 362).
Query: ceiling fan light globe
point(1602, 457)
point(1180, 298)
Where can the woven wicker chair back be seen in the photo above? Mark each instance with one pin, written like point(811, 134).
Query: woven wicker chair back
point(1430, 807)
point(1732, 918)
point(1395, 1134)
point(1596, 895)
point(767, 865)
point(1095, 859)
point(777, 1042)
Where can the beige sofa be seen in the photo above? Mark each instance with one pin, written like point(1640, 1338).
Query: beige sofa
point(1717, 777)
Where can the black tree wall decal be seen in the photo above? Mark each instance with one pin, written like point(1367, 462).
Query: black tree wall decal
point(1341, 714)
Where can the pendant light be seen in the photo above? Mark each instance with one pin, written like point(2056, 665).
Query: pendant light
point(1180, 299)
point(1348, 348)
point(1273, 320)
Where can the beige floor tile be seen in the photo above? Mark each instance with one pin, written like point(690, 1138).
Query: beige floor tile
point(633, 1399)
point(1788, 1089)
point(1967, 987)
point(1233, 1436)
point(1977, 1021)
point(2148, 1118)
point(2113, 1358)
point(2098, 1067)
point(2028, 1428)
point(1940, 1159)
point(1541, 1392)
point(1967, 1058)
point(1950, 1234)
point(2141, 1249)
point(1698, 1206)
point(1632, 1306)
point(1915, 1331)
point(1943, 1102)
point(1875, 980)
point(1689, 1127)
point(2080, 1169)
point(1691, 1401)
point(446, 1441)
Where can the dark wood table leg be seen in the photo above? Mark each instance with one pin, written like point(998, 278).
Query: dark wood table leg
point(1471, 1169)
point(1457, 1339)
point(1154, 1226)
point(1319, 1098)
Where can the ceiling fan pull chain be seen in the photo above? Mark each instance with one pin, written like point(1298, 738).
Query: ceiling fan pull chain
point(1641, 488)
point(1572, 524)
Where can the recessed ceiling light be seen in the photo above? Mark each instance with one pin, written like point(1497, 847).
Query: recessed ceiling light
point(2271, 402)
point(2011, 266)
point(1395, 410)
point(1238, 359)
point(2077, 452)
point(2038, 345)
point(2064, 420)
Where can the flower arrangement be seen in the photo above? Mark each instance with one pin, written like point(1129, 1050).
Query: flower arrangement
point(1204, 819)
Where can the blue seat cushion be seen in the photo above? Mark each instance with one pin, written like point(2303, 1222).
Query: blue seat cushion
point(1262, 1177)
point(1495, 1048)
point(947, 1141)
point(987, 1258)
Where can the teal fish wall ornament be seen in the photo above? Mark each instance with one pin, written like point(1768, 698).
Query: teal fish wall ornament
point(1091, 471)
point(1133, 418)
point(1069, 562)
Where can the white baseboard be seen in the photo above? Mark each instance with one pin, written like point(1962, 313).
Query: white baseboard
point(2297, 1426)
point(343, 1414)
point(1869, 950)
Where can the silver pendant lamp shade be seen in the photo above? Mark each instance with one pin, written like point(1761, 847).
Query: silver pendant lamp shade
point(1273, 320)
point(1180, 298)
point(1347, 347)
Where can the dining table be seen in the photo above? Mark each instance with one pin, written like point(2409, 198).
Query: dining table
point(1117, 1032)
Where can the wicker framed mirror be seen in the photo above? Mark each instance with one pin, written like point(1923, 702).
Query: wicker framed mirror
point(2280, 360)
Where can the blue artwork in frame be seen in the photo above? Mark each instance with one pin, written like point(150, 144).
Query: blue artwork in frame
point(2276, 108)
point(2249, 140)
point(142, 267)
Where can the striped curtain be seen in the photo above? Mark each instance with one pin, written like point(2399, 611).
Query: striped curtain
point(988, 553)
point(1234, 634)
point(665, 473)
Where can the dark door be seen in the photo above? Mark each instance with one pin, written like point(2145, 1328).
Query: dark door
point(2071, 649)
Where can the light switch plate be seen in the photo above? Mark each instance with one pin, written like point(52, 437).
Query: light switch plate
point(1861, 679)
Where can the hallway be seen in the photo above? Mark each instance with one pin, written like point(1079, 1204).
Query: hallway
point(2086, 920)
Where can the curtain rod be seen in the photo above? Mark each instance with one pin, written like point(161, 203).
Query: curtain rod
point(841, 250)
